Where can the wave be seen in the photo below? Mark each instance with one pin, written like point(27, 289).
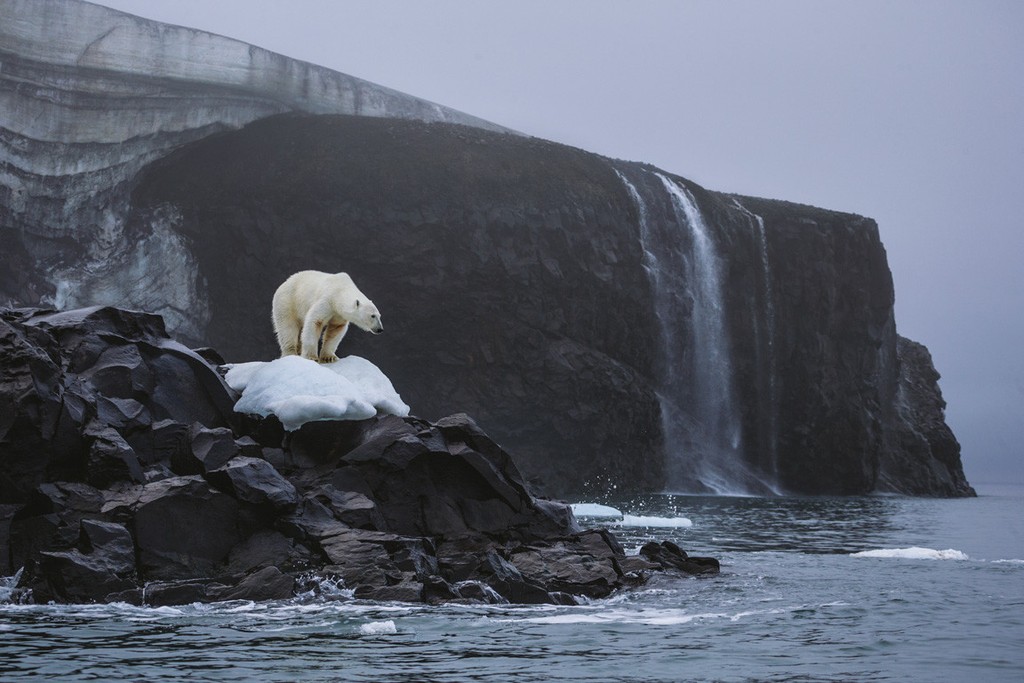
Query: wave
point(660, 617)
point(914, 553)
point(379, 628)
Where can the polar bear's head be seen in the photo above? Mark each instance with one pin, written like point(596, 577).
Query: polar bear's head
point(365, 316)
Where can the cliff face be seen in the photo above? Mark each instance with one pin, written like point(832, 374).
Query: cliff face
point(611, 324)
point(747, 345)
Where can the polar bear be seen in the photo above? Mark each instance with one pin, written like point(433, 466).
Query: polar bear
point(310, 304)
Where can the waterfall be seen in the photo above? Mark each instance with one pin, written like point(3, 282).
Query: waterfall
point(767, 362)
point(709, 446)
point(700, 417)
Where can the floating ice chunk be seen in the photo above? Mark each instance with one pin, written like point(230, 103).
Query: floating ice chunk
point(914, 553)
point(594, 510)
point(660, 522)
point(298, 390)
point(378, 628)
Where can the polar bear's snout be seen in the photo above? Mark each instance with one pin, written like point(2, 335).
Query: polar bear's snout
point(377, 327)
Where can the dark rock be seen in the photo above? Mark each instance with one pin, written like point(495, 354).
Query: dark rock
point(477, 591)
point(111, 459)
point(350, 507)
point(361, 558)
point(255, 482)
point(103, 563)
point(184, 528)
point(925, 460)
point(134, 504)
point(668, 555)
point(408, 590)
point(263, 584)
point(506, 579)
point(436, 590)
point(169, 593)
point(262, 549)
point(209, 449)
point(581, 565)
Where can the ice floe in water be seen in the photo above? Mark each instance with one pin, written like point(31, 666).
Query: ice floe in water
point(619, 518)
point(298, 390)
point(658, 522)
point(594, 510)
point(914, 553)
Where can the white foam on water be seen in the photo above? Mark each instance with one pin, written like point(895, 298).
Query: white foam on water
point(658, 522)
point(7, 585)
point(378, 628)
point(914, 553)
point(1020, 562)
point(594, 510)
point(660, 617)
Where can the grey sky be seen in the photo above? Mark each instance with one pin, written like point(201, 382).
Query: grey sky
point(910, 112)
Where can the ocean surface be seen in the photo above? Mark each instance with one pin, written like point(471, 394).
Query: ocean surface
point(812, 589)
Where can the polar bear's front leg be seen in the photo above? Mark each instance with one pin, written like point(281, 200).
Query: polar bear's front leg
point(332, 337)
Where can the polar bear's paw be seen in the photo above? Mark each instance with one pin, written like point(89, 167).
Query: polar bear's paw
point(327, 359)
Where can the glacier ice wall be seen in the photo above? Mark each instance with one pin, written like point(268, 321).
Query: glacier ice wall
point(89, 97)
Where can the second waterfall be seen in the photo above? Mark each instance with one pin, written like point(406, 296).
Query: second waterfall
point(696, 385)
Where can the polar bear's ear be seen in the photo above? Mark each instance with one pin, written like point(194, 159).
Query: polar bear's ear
point(357, 303)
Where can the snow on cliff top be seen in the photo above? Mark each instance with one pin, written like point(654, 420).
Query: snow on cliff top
point(298, 390)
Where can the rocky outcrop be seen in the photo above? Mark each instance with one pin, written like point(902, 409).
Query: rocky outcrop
point(126, 476)
point(925, 460)
point(618, 326)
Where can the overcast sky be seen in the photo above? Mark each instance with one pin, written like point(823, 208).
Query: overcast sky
point(909, 112)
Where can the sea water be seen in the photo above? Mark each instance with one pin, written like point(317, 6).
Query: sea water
point(879, 588)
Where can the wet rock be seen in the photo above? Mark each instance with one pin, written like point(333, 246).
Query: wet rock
point(170, 593)
point(103, 563)
point(668, 555)
point(263, 584)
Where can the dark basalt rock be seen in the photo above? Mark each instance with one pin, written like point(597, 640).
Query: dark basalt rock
point(144, 487)
point(926, 458)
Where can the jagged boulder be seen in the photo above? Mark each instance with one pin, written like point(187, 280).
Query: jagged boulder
point(144, 486)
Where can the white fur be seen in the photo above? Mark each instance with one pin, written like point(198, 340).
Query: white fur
point(310, 304)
